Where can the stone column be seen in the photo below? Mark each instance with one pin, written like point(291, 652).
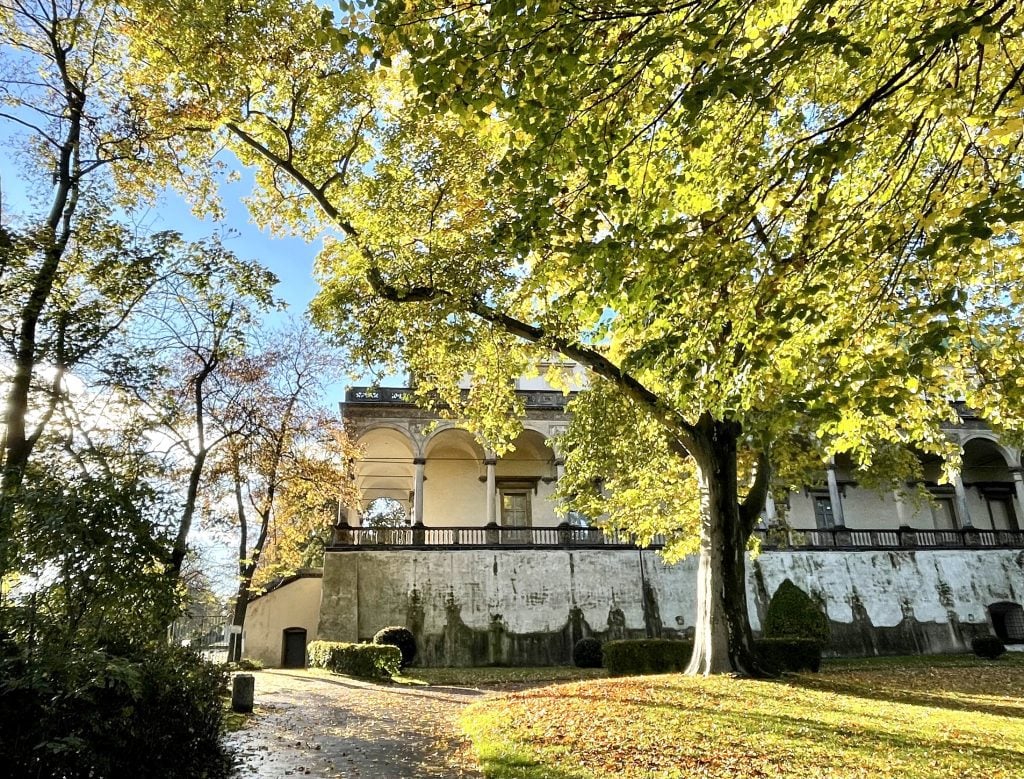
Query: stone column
point(417, 491)
point(961, 501)
point(559, 468)
point(833, 494)
point(901, 508)
point(1018, 486)
point(771, 512)
point(491, 462)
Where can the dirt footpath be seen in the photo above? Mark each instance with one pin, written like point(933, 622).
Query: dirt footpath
point(309, 725)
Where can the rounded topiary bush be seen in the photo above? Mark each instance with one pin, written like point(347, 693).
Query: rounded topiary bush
point(792, 614)
point(988, 646)
point(401, 637)
point(587, 653)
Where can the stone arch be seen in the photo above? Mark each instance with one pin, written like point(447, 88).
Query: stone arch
point(525, 478)
point(530, 456)
point(445, 433)
point(454, 493)
point(987, 475)
point(402, 431)
point(986, 439)
point(386, 468)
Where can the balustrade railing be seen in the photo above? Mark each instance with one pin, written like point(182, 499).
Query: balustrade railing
point(901, 538)
point(532, 537)
point(419, 537)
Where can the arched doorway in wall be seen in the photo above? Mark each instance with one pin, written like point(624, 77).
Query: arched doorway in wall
point(293, 648)
point(986, 471)
point(1008, 621)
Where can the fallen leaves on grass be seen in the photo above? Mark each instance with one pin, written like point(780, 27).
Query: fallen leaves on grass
point(908, 722)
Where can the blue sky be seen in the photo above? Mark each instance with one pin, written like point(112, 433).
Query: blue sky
point(291, 259)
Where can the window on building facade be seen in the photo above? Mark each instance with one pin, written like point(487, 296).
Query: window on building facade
point(515, 513)
point(823, 516)
point(1000, 511)
point(944, 513)
point(515, 509)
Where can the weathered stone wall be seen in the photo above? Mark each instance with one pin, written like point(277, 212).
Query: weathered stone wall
point(530, 606)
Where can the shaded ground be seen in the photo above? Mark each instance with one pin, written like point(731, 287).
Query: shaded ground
point(312, 725)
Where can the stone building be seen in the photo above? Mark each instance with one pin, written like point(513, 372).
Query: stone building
point(466, 549)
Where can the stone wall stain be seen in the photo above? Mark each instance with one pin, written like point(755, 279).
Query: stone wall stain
point(478, 607)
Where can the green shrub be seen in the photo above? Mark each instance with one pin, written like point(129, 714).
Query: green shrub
point(646, 656)
point(372, 661)
point(988, 646)
point(401, 637)
point(250, 664)
point(792, 614)
point(789, 654)
point(587, 653)
point(89, 713)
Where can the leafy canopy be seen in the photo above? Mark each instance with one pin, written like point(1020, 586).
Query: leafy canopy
point(798, 216)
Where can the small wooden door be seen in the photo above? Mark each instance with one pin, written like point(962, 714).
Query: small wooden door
point(515, 513)
point(294, 648)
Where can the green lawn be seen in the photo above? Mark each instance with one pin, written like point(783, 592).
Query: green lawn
point(906, 718)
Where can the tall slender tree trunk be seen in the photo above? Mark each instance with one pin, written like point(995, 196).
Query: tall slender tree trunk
point(238, 619)
point(17, 444)
point(723, 642)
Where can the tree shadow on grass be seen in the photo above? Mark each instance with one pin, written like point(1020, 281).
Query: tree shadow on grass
point(902, 695)
point(794, 733)
point(519, 765)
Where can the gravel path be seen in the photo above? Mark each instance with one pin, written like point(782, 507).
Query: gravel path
point(311, 725)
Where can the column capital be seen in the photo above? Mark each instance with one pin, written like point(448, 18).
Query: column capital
point(419, 460)
point(490, 461)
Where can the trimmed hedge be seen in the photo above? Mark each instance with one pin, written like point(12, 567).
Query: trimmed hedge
point(401, 637)
point(373, 661)
point(792, 614)
point(646, 656)
point(587, 653)
point(988, 646)
point(789, 654)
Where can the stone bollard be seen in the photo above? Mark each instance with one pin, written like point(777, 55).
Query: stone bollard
point(243, 690)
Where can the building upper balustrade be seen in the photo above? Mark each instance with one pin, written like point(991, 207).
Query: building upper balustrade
point(494, 536)
point(405, 396)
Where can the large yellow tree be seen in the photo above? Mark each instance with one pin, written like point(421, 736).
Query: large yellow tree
point(768, 228)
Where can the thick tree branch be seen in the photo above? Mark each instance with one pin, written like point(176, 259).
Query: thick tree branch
point(750, 508)
point(317, 193)
point(681, 431)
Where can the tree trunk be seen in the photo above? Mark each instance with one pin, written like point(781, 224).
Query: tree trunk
point(238, 619)
point(180, 548)
point(723, 642)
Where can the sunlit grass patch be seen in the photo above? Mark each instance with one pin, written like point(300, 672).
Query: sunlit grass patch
point(909, 720)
